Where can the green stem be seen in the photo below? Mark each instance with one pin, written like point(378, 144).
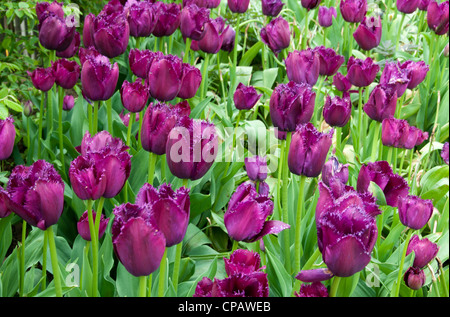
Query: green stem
point(95, 123)
point(284, 203)
point(142, 286)
point(398, 33)
point(109, 114)
point(339, 138)
point(360, 117)
point(402, 262)
point(233, 68)
point(149, 283)
point(141, 120)
point(334, 286)
point(94, 242)
point(235, 246)
point(162, 274)
point(305, 31)
point(317, 108)
point(375, 141)
point(176, 265)
point(411, 154)
point(54, 259)
point(151, 167)
point(298, 237)
point(22, 258)
point(308, 265)
point(187, 50)
point(41, 117)
point(280, 174)
point(60, 130)
point(130, 127)
point(205, 76)
point(44, 262)
point(91, 124)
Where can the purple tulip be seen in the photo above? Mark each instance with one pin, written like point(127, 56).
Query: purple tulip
point(271, 7)
point(228, 39)
point(36, 194)
point(242, 261)
point(191, 148)
point(212, 41)
point(407, 6)
point(190, 83)
point(238, 6)
point(83, 226)
point(414, 212)
point(330, 61)
point(87, 178)
point(165, 77)
point(423, 5)
point(310, 4)
point(28, 108)
point(393, 74)
point(245, 218)
point(445, 153)
point(202, 3)
point(314, 275)
point(204, 288)
point(42, 78)
point(134, 96)
point(44, 8)
point(4, 203)
point(73, 48)
point(167, 18)
point(416, 72)
point(308, 150)
point(99, 78)
point(315, 289)
point(111, 33)
point(341, 82)
point(159, 119)
point(276, 34)
point(242, 285)
point(137, 241)
point(88, 31)
point(332, 169)
point(55, 33)
point(66, 73)
point(353, 11)
point(245, 97)
point(141, 18)
point(382, 103)
point(395, 133)
point(326, 16)
point(68, 103)
point(337, 110)
point(304, 66)
point(368, 33)
point(193, 22)
point(86, 53)
point(415, 137)
point(414, 278)
point(102, 143)
point(7, 137)
point(424, 251)
point(170, 210)
point(291, 104)
point(361, 73)
point(437, 17)
point(256, 168)
point(141, 60)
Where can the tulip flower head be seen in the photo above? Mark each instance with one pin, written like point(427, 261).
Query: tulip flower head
point(193, 21)
point(407, 6)
point(416, 72)
point(245, 97)
point(72, 49)
point(134, 96)
point(238, 6)
point(445, 153)
point(326, 16)
point(337, 110)
point(382, 103)
point(368, 33)
point(256, 168)
point(190, 83)
point(437, 17)
point(54, 32)
point(330, 61)
point(7, 137)
point(353, 11)
point(414, 212)
point(332, 169)
point(341, 82)
point(315, 289)
point(395, 75)
point(83, 226)
point(68, 102)
point(276, 35)
point(141, 18)
point(271, 7)
point(165, 77)
point(111, 33)
point(167, 18)
point(42, 78)
point(424, 251)
point(99, 78)
point(310, 4)
point(361, 73)
point(66, 73)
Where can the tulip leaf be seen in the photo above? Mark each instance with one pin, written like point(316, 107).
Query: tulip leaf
point(378, 194)
point(279, 279)
point(250, 55)
point(347, 285)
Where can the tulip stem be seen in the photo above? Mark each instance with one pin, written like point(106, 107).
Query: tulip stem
point(142, 286)
point(187, 50)
point(398, 33)
point(360, 118)
point(109, 114)
point(205, 77)
point(402, 262)
point(141, 120)
point(233, 68)
point(95, 123)
point(162, 274)
point(375, 141)
point(41, 115)
point(151, 167)
point(235, 246)
point(54, 259)
point(334, 286)
point(94, 248)
point(305, 32)
point(150, 284)
point(411, 154)
point(44, 262)
point(176, 266)
point(130, 127)
point(284, 202)
point(22, 258)
point(60, 130)
point(298, 237)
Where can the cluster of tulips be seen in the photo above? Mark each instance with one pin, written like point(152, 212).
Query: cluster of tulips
point(157, 94)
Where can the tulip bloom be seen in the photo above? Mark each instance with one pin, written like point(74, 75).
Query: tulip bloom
point(141, 60)
point(242, 261)
point(304, 66)
point(308, 150)
point(310, 4)
point(83, 226)
point(88, 31)
point(414, 278)
point(341, 82)
point(382, 103)
point(414, 212)
point(228, 39)
point(256, 168)
point(353, 11)
point(193, 21)
point(291, 104)
point(4, 200)
point(167, 18)
point(407, 6)
point(315, 289)
point(134, 96)
point(361, 73)
point(332, 169)
point(43, 8)
point(111, 33)
point(141, 18)
point(191, 148)
point(137, 241)
point(424, 251)
point(395, 133)
point(423, 5)
point(36, 194)
point(437, 17)
point(165, 77)
point(271, 7)
point(66, 73)
point(238, 6)
point(212, 41)
point(87, 179)
point(73, 48)
point(445, 153)
point(68, 103)
point(330, 61)
point(42, 78)
point(202, 3)
point(337, 111)
point(326, 16)
point(7, 137)
point(393, 74)
point(368, 33)
point(99, 78)
point(191, 81)
point(245, 218)
point(276, 35)
point(54, 33)
point(245, 97)
point(416, 72)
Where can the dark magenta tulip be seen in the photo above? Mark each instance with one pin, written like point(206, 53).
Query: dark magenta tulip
point(333, 169)
point(202, 3)
point(54, 32)
point(341, 82)
point(414, 278)
point(291, 104)
point(437, 17)
point(247, 213)
point(382, 103)
point(137, 241)
point(238, 285)
point(213, 40)
point(193, 21)
point(7, 137)
point(368, 33)
point(4, 203)
point(326, 16)
point(43, 8)
point(83, 226)
point(242, 261)
point(396, 76)
point(190, 83)
point(228, 39)
point(407, 6)
point(445, 153)
point(170, 210)
point(73, 48)
point(99, 78)
point(86, 53)
point(310, 4)
point(167, 18)
point(134, 96)
point(191, 148)
point(424, 251)
point(303, 66)
point(361, 73)
point(416, 72)
point(414, 212)
point(276, 34)
point(395, 133)
point(330, 61)
point(314, 275)
point(256, 168)
point(102, 142)
point(272, 7)
point(66, 73)
point(337, 111)
point(42, 78)
point(415, 137)
point(36, 194)
point(88, 31)
point(141, 18)
point(353, 11)
point(165, 77)
point(245, 97)
point(238, 6)
point(141, 60)
point(68, 102)
point(87, 178)
point(315, 289)
point(111, 33)
point(308, 150)
point(423, 4)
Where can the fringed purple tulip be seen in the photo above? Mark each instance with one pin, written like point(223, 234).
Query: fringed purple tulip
point(368, 33)
point(167, 18)
point(36, 194)
point(242, 285)
point(86, 53)
point(361, 73)
point(303, 66)
point(87, 178)
point(394, 75)
point(332, 169)
point(256, 168)
point(326, 16)
point(308, 150)
point(228, 39)
point(54, 32)
point(245, 97)
point(341, 82)
point(353, 11)
point(424, 251)
point(316, 289)
point(423, 5)
point(314, 275)
point(137, 241)
point(66, 73)
point(73, 48)
point(399, 134)
point(4, 201)
point(141, 60)
point(407, 6)
point(414, 212)
point(238, 6)
point(437, 17)
point(193, 22)
point(165, 77)
point(134, 96)
point(43, 8)
point(310, 4)
point(88, 31)
point(7, 137)
point(68, 102)
point(330, 61)
point(141, 18)
point(83, 226)
point(271, 7)
point(212, 41)
point(191, 148)
point(445, 153)
point(416, 72)
point(415, 278)
point(99, 78)
point(245, 218)
point(111, 33)
point(202, 3)
point(242, 261)
point(291, 104)
point(191, 81)
point(276, 35)
point(42, 78)
point(337, 111)
point(382, 103)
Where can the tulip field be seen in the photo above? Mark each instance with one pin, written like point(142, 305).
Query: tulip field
point(224, 148)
